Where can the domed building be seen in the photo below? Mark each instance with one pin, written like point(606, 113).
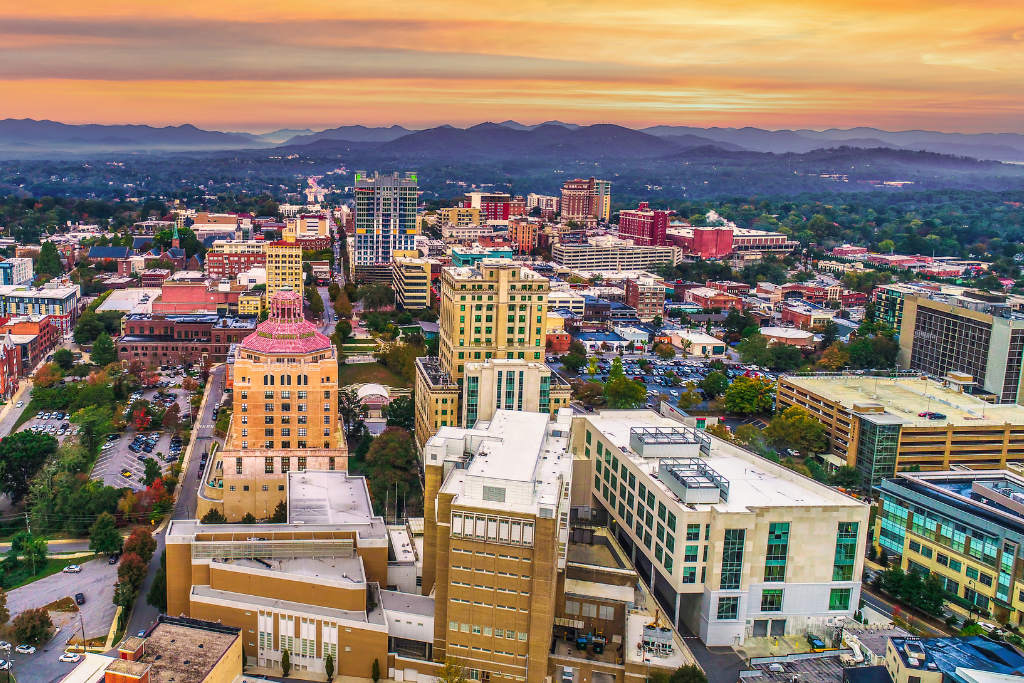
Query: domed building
point(285, 413)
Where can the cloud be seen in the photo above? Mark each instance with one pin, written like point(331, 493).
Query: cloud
point(957, 65)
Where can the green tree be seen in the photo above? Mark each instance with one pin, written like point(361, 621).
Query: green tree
point(374, 671)
point(21, 455)
point(157, 596)
point(623, 392)
point(376, 296)
point(391, 467)
point(715, 384)
point(280, 515)
point(886, 246)
point(829, 334)
point(64, 358)
point(689, 397)
point(786, 357)
point(32, 626)
point(152, 472)
point(286, 663)
point(401, 412)
point(845, 476)
point(754, 350)
point(29, 549)
point(95, 419)
point(49, 261)
point(748, 395)
point(5, 613)
point(329, 666)
point(103, 351)
point(690, 673)
point(104, 536)
point(142, 543)
point(248, 518)
point(750, 436)
point(665, 351)
point(795, 428)
point(573, 361)
point(657, 322)
point(214, 516)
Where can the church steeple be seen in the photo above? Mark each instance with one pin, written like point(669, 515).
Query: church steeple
point(175, 242)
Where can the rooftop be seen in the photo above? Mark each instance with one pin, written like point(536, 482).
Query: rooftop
point(328, 498)
point(286, 331)
point(206, 593)
point(346, 572)
point(185, 650)
point(993, 496)
point(824, 669)
point(408, 603)
point(949, 654)
point(752, 482)
point(906, 397)
point(194, 532)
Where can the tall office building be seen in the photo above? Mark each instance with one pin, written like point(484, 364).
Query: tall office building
point(646, 227)
point(285, 414)
point(975, 333)
point(284, 266)
point(411, 280)
point(385, 222)
point(494, 310)
point(583, 199)
point(495, 538)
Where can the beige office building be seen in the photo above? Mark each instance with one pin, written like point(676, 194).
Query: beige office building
point(614, 254)
point(730, 544)
point(285, 414)
point(511, 384)
point(495, 536)
point(284, 266)
point(497, 309)
point(411, 280)
point(459, 216)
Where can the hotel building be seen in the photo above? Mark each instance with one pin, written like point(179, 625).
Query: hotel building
point(385, 222)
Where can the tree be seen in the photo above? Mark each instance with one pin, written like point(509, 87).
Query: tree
point(374, 671)
point(64, 358)
point(845, 476)
point(280, 515)
point(131, 571)
point(21, 455)
point(349, 407)
point(248, 518)
point(5, 613)
point(157, 596)
point(715, 384)
point(623, 392)
point(401, 412)
point(104, 536)
point(391, 467)
point(795, 428)
point(171, 418)
point(749, 395)
point(49, 261)
point(835, 357)
point(452, 671)
point(33, 626)
point(94, 420)
point(329, 666)
point(589, 393)
point(657, 322)
point(786, 357)
point(754, 350)
point(665, 351)
point(376, 296)
point(286, 663)
point(886, 246)
point(750, 436)
point(103, 351)
point(690, 673)
point(152, 472)
point(573, 361)
point(689, 397)
point(214, 516)
point(47, 375)
point(829, 333)
point(142, 543)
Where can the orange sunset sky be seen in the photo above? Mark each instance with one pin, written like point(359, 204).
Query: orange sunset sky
point(258, 65)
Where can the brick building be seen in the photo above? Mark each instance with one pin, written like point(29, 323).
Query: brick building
point(38, 334)
point(523, 233)
point(644, 226)
point(493, 206)
point(647, 296)
point(708, 298)
point(9, 364)
point(159, 339)
point(227, 258)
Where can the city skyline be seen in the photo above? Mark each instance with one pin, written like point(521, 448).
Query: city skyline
point(950, 66)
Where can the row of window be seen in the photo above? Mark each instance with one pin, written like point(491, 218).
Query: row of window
point(590, 610)
point(269, 445)
point(952, 563)
point(477, 630)
point(771, 601)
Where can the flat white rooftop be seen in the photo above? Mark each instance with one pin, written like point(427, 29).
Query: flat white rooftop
point(322, 497)
point(336, 570)
point(753, 481)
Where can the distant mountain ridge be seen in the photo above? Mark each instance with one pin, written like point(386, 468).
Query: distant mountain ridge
point(551, 139)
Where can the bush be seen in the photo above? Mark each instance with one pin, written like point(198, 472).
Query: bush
point(214, 516)
point(286, 663)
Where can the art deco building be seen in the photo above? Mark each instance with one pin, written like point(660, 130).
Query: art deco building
point(285, 414)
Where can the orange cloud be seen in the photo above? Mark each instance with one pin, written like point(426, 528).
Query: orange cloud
point(244, 65)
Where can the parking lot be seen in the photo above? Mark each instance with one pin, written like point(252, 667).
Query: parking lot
point(54, 423)
point(126, 453)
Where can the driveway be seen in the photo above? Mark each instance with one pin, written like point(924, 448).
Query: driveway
point(96, 581)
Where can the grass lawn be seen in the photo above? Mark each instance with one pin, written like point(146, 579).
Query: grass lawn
point(27, 414)
point(369, 373)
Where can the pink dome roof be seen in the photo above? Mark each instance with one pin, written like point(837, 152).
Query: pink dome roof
point(286, 331)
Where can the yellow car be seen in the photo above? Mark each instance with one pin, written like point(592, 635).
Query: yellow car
point(127, 474)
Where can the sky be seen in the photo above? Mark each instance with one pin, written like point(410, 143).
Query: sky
point(260, 65)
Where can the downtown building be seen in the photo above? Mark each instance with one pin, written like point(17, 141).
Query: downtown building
point(226, 259)
point(496, 310)
point(647, 296)
point(609, 253)
point(385, 222)
point(646, 227)
point(586, 199)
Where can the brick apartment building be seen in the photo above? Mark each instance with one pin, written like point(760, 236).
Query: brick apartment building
point(647, 296)
point(157, 339)
point(227, 258)
point(43, 328)
point(730, 287)
point(644, 226)
point(493, 206)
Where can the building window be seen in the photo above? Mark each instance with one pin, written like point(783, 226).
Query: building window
point(778, 550)
point(846, 551)
point(839, 599)
point(330, 463)
point(732, 559)
point(728, 608)
point(771, 600)
point(302, 463)
point(268, 465)
point(238, 465)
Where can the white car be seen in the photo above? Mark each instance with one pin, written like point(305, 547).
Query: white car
point(4, 665)
point(25, 650)
point(20, 404)
point(72, 569)
point(69, 657)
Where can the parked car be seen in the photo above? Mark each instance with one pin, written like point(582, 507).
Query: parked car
point(70, 657)
point(79, 598)
point(72, 569)
point(114, 558)
point(4, 665)
point(20, 404)
point(25, 650)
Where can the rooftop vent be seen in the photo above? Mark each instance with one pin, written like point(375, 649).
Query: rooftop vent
point(674, 442)
point(693, 481)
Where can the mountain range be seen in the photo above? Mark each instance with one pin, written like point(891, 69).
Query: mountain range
point(508, 139)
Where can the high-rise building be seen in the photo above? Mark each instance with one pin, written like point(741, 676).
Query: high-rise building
point(495, 540)
point(975, 333)
point(644, 226)
point(511, 384)
point(523, 232)
point(647, 296)
point(495, 309)
point(284, 266)
point(385, 222)
point(548, 205)
point(610, 253)
point(411, 280)
point(227, 258)
point(285, 414)
point(583, 199)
